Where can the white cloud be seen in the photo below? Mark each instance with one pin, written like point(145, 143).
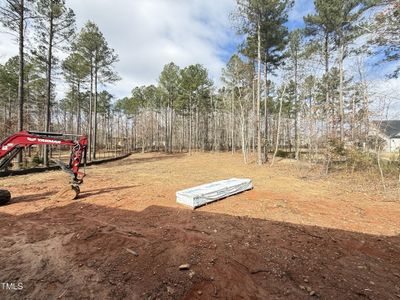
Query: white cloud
point(8, 46)
point(147, 34)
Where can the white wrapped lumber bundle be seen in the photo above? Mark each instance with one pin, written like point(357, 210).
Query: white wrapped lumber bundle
point(210, 192)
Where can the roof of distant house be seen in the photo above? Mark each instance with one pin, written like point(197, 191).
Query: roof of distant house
point(391, 128)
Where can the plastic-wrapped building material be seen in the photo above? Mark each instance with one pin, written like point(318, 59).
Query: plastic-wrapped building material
point(210, 192)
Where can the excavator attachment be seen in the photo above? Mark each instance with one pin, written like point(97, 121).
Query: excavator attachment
point(68, 193)
point(71, 190)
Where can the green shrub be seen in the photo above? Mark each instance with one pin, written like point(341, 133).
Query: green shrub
point(336, 148)
point(360, 160)
point(283, 153)
point(391, 167)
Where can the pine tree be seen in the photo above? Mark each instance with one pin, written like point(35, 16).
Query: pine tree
point(386, 28)
point(274, 42)
point(238, 76)
point(169, 82)
point(295, 53)
point(92, 46)
point(319, 28)
point(262, 21)
point(8, 91)
point(337, 19)
point(55, 24)
point(251, 13)
point(195, 86)
point(76, 71)
point(13, 15)
point(344, 17)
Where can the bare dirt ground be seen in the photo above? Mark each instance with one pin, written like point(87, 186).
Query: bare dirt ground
point(294, 236)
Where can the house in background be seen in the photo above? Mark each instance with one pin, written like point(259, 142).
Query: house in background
point(389, 131)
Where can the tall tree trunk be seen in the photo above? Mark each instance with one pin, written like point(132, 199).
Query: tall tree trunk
point(327, 96)
point(166, 128)
point(243, 128)
point(183, 133)
point(21, 74)
point(48, 88)
point(266, 135)
point(311, 129)
point(90, 111)
point(232, 123)
point(253, 113)
point(78, 109)
point(296, 110)
point(4, 132)
point(171, 121)
point(353, 118)
point(9, 110)
point(259, 158)
point(341, 100)
point(190, 125)
point(215, 124)
point(197, 130)
point(135, 133)
point(365, 101)
point(27, 112)
point(278, 125)
point(95, 111)
point(158, 131)
point(152, 129)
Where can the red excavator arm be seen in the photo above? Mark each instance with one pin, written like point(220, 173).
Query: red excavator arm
point(12, 145)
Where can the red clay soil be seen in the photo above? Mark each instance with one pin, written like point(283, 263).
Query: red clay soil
point(126, 237)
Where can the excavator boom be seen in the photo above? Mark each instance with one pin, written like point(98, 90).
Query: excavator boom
point(13, 144)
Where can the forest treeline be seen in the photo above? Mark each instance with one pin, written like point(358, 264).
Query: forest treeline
point(320, 99)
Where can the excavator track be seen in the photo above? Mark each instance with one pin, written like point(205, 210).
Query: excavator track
point(5, 197)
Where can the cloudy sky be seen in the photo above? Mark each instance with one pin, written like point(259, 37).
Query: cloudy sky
point(147, 34)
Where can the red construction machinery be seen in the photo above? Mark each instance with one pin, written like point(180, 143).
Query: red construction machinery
point(12, 145)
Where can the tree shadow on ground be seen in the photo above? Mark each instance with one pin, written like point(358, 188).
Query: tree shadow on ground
point(31, 197)
point(122, 254)
point(82, 195)
point(132, 159)
point(85, 194)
